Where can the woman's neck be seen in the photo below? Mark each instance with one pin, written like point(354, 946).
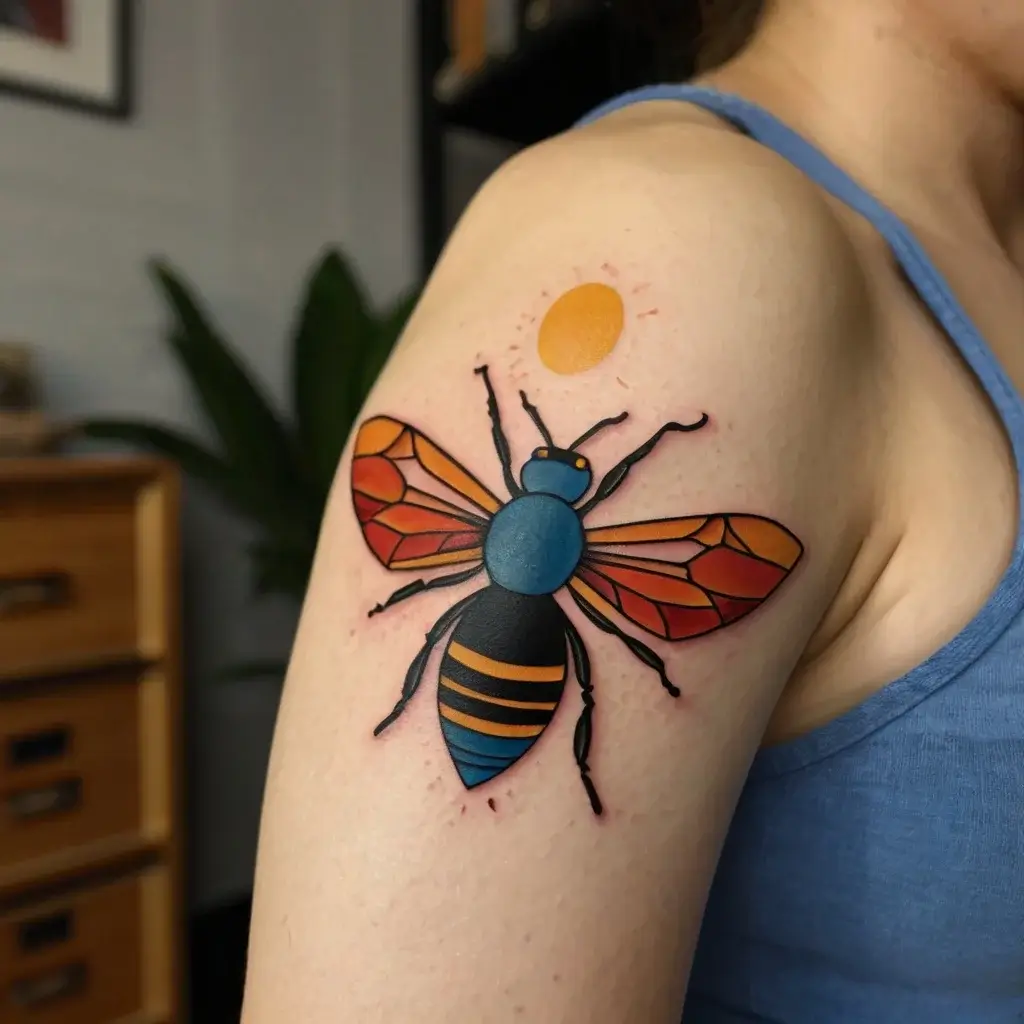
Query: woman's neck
point(902, 109)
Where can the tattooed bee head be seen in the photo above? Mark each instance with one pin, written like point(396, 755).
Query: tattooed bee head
point(562, 472)
point(558, 471)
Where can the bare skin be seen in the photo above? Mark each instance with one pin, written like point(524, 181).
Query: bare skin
point(388, 893)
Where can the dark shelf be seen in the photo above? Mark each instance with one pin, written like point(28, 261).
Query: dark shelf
point(555, 76)
point(547, 84)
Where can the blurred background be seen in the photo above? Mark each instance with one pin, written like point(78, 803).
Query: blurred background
point(216, 216)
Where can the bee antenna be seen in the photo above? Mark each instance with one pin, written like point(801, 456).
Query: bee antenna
point(611, 421)
point(534, 413)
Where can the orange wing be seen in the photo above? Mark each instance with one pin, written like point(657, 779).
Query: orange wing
point(405, 527)
point(741, 561)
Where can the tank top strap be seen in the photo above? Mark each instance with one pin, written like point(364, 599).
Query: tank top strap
point(1007, 602)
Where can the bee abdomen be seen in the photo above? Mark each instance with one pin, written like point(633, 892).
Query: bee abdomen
point(491, 711)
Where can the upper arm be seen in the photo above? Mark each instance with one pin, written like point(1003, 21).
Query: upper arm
point(388, 891)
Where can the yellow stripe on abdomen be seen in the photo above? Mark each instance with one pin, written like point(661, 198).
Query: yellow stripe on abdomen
point(528, 705)
point(488, 728)
point(503, 669)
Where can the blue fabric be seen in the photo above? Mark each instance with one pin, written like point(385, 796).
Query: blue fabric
point(874, 870)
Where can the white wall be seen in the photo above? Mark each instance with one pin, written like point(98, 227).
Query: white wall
point(264, 130)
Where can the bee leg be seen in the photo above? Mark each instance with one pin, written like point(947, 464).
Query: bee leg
point(584, 729)
point(419, 586)
point(615, 477)
point(414, 676)
point(498, 433)
point(639, 649)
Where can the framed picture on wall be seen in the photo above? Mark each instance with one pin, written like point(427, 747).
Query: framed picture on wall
point(76, 53)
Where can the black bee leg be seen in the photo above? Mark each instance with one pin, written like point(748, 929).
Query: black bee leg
point(584, 727)
point(615, 476)
point(639, 649)
point(419, 586)
point(500, 441)
point(414, 676)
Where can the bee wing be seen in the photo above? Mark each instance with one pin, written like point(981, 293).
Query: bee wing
point(741, 561)
point(404, 526)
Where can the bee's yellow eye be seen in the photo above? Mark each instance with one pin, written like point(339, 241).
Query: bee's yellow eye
point(541, 453)
point(581, 463)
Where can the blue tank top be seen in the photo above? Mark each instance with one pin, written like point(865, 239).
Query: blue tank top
point(874, 870)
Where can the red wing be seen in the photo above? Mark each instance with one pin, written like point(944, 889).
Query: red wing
point(404, 526)
point(741, 561)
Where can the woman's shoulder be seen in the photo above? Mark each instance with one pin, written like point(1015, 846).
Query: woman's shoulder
point(687, 202)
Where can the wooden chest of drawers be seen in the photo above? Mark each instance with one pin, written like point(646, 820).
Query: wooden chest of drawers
point(90, 841)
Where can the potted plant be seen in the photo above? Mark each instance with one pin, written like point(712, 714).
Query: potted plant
point(271, 468)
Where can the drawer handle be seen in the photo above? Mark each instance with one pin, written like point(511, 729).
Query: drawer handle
point(40, 802)
point(32, 993)
point(34, 593)
point(35, 747)
point(43, 932)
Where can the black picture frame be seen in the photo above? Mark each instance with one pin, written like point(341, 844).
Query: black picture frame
point(120, 105)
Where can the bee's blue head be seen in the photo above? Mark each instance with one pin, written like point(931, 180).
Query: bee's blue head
point(562, 472)
point(558, 471)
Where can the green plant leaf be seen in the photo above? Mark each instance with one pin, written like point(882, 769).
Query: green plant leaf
point(389, 329)
point(256, 444)
point(198, 462)
point(267, 668)
point(334, 332)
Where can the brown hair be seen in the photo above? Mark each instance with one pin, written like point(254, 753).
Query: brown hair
point(725, 28)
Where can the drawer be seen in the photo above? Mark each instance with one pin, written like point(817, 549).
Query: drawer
point(95, 956)
point(67, 576)
point(69, 773)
